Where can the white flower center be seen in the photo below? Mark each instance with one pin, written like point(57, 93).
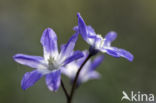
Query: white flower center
point(53, 64)
point(99, 42)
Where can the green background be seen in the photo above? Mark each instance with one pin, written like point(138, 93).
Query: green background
point(23, 21)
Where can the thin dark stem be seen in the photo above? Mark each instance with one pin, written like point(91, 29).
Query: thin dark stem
point(76, 79)
point(65, 91)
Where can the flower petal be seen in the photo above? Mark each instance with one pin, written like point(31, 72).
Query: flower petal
point(117, 52)
point(30, 78)
point(90, 29)
point(94, 75)
point(81, 60)
point(67, 49)
point(97, 61)
point(126, 54)
point(112, 51)
point(62, 46)
point(49, 43)
point(88, 72)
point(31, 61)
point(82, 26)
point(87, 32)
point(76, 28)
point(111, 36)
point(76, 55)
point(53, 80)
point(70, 70)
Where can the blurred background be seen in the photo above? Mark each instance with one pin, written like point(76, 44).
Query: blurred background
point(23, 21)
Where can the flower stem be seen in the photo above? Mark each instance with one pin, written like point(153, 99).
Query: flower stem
point(76, 78)
point(65, 91)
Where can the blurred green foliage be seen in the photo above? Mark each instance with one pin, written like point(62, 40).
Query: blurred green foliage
point(23, 21)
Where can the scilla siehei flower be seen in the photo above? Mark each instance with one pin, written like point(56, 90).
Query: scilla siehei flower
point(51, 64)
point(99, 43)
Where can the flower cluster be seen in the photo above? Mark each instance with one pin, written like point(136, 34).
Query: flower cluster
point(77, 65)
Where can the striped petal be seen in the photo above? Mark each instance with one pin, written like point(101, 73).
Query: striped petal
point(67, 49)
point(30, 78)
point(97, 61)
point(111, 36)
point(31, 61)
point(126, 54)
point(82, 26)
point(117, 52)
point(76, 55)
point(53, 80)
point(49, 43)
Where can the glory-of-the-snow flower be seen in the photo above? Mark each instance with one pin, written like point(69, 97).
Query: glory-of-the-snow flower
point(99, 43)
point(51, 64)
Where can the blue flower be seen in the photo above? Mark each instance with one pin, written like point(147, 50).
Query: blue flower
point(51, 64)
point(98, 42)
point(88, 71)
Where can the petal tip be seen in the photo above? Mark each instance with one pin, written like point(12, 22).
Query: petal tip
point(29, 79)
point(16, 56)
point(47, 29)
point(113, 32)
point(23, 88)
point(126, 54)
point(53, 80)
point(111, 36)
point(78, 14)
point(131, 58)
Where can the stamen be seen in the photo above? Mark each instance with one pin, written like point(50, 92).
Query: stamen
point(101, 42)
